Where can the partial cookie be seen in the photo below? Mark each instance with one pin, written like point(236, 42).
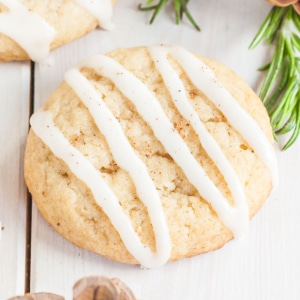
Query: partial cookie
point(30, 29)
point(150, 154)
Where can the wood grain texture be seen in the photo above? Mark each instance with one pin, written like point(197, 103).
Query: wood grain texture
point(262, 265)
point(14, 112)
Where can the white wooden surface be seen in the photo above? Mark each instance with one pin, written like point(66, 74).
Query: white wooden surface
point(264, 264)
point(14, 112)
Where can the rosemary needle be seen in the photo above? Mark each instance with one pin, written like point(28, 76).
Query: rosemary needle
point(180, 8)
point(280, 90)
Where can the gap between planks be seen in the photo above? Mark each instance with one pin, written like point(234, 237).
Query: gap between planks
point(29, 198)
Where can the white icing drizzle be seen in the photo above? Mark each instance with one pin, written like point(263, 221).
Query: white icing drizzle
point(126, 158)
point(28, 29)
point(101, 9)
point(149, 108)
point(44, 127)
point(179, 96)
point(235, 217)
point(34, 34)
point(204, 79)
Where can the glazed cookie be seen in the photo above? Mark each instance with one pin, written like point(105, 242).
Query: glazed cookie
point(30, 29)
point(150, 154)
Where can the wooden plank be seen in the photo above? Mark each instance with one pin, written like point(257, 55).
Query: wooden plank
point(262, 265)
point(14, 112)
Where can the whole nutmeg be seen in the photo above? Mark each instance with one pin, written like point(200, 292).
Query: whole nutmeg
point(101, 288)
point(89, 288)
point(282, 3)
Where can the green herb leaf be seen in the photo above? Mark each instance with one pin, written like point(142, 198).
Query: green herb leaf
point(280, 90)
point(180, 9)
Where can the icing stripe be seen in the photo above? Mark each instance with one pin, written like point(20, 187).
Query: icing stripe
point(149, 108)
point(101, 9)
point(125, 157)
point(179, 96)
point(45, 129)
point(28, 29)
point(204, 79)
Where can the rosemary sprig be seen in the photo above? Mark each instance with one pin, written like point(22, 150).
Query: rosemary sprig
point(280, 90)
point(180, 8)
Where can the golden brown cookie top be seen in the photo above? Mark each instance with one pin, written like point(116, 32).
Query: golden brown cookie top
point(171, 151)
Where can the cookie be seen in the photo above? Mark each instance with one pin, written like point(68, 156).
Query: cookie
point(30, 29)
point(150, 154)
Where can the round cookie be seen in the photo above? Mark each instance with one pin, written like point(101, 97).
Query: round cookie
point(150, 154)
point(29, 29)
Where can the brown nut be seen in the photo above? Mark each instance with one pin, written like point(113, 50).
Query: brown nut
point(282, 3)
point(101, 288)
